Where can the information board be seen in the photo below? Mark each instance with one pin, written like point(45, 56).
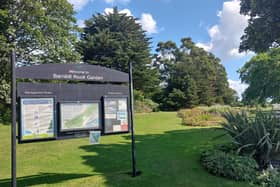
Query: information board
point(116, 115)
point(79, 116)
point(37, 118)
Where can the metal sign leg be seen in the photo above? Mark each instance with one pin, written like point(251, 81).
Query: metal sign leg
point(13, 128)
point(134, 171)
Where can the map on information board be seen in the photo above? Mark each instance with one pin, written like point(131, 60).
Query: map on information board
point(116, 115)
point(37, 118)
point(79, 116)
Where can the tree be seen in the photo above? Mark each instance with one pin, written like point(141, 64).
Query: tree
point(262, 74)
point(165, 58)
point(191, 75)
point(181, 88)
point(115, 39)
point(4, 53)
point(40, 31)
point(45, 31)
point(263, 29)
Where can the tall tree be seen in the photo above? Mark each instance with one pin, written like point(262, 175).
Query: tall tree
point(45, 31)
point(4, 52)
point(165, 58)
point(115, 39)
point(41, 31)
point(262, 74)
point(264, 25)
point(192, 75)
point(181, 89)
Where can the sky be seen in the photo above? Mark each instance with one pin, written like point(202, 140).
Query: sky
point(215, 26)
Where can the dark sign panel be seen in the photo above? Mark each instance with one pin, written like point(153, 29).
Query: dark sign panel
point(80, 72)
point(79, 116)
point(116, 115)
point(70, 92)
point(37, 119)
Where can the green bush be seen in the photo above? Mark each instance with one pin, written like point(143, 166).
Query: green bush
point(200, 116)
point(257, 135)
point(143, 105)
point(230, 165)
point(5, 114)
point(217, 109)
point(269, 178)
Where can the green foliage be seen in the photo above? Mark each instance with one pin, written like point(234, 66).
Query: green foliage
point(203, 116)
point(175, 99)
point(219, 109)
point(269, 178)
point(229, 165)
point(263, 29)
point(43, 31)
point(257, 135)
point(40, 32)
point(5, 114)
point(4, 52)
point(191, 76)
point(115, 39)
point(143, 105)
point(262, 74)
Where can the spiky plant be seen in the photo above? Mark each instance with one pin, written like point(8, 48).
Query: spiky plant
point(257, 135)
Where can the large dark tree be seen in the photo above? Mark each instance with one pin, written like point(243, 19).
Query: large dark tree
point(264, 25)
point(115, 39)
point(191, 75)
point(262, 74)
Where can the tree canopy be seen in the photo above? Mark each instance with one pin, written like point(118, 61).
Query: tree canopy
point(264, 25)
point(262, 74)
point(191, 76)
point(41, 31)
point(4, 52)
point(115, 39)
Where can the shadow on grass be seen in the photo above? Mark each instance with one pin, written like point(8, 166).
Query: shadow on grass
point(169, 159)
point(42, 178)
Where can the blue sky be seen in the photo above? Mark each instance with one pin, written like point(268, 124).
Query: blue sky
point(214, 25)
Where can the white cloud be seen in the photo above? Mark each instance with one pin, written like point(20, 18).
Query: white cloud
point(214, 31)
point(148, 23)
point(108, 10)
point(225, 36)
point(81, 23)
point(117, 1)
point(124, 11)
point(205, 46)
point(237, 86)
point(78, 4)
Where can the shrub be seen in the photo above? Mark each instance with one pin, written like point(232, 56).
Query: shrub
point(200, 116)
point(269, 178)
point(257, 135)
point(5, 114)
point(230, 165)
point(217, 109)
point(143, 105)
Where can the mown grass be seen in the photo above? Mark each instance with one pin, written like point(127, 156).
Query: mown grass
point(167, 155)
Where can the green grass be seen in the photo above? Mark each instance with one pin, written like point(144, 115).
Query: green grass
point(167, 154)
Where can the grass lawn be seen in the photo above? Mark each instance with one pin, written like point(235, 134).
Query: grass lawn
point(167, 154)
